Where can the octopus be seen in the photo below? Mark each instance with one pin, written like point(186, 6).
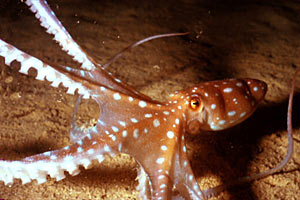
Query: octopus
point(152, 132)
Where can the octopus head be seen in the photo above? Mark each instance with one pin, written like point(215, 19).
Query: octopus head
point(218, 105)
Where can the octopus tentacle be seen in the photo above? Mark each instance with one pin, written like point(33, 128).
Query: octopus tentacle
point(54, 163)
point(181, 178)
point(60, 74)
point(135, 44)
point(11, 53)
point(185, 181)
point(72, 79)
point(143, 187)
point(100, 78)
point(49, 21)
point(161, 184)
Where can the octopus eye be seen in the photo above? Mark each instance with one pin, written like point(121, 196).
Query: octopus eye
point(195, 103)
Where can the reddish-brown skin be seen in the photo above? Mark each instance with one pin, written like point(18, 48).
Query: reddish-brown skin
point(132, 123)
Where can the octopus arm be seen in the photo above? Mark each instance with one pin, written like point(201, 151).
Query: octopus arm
point(44, 71)
point(54, 163)
point(184, 179)
point(49, 21)
point(165, 171)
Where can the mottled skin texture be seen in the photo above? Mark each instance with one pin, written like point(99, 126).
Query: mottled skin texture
point(130, 122)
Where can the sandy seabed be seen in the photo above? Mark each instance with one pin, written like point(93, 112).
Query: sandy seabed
point(229, 39)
